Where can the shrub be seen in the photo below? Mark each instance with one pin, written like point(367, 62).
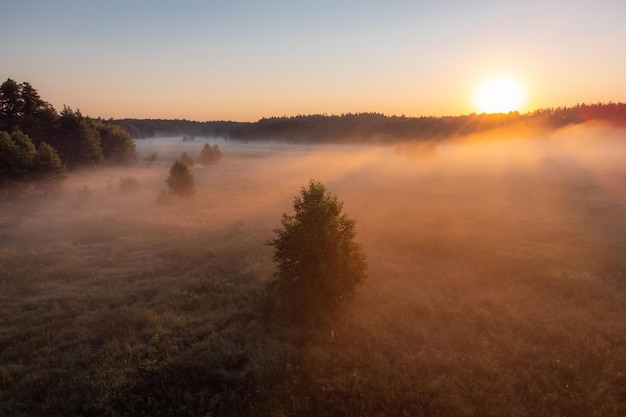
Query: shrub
point(180, 181)
point(210, 155)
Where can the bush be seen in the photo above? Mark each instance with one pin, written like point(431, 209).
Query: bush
point(319, 263)
point(210, 155)
point(181, 181)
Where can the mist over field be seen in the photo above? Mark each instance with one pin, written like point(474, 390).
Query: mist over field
point(496, 285)
point(461, 186)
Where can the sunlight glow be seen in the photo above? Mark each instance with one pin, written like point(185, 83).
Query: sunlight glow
point(499, 94)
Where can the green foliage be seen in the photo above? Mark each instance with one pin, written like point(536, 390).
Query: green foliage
point(48, 168)
point(31, 100)
point(9, 167)
point(210, 155)
point(22, 108)
point(11, 105)
point(22, 164)
point(77, 140)
point(180, 180)
point(174, 336)
point(16, 156)
point(319, 263)
point(117, 145)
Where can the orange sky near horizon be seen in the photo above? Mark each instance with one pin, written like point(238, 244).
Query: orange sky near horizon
point(245, 60)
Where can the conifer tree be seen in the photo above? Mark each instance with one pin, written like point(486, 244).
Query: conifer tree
point(180, 180)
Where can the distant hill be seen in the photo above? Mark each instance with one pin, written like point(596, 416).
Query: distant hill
point(375, 127)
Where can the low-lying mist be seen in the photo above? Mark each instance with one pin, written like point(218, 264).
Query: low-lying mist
point(458, 178)
point(496, 265)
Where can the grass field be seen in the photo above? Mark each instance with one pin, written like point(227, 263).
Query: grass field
point(497, 286)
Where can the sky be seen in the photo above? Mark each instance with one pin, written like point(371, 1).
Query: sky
point(244, 60)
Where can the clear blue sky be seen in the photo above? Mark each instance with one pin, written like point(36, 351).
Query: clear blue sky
point(243, 60)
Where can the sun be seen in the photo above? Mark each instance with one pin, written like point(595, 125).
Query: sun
point(499, 94)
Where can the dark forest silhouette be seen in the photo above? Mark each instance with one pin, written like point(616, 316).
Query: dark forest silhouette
point(376, 127)
point(79, 140)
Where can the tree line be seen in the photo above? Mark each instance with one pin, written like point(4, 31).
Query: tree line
point(379, 128)
point(151, 128)
point(33, 135)
point(376, 127)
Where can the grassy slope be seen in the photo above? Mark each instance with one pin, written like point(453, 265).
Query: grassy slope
point(491, 292)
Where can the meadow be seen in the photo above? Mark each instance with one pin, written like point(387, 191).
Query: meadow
point(497, 285)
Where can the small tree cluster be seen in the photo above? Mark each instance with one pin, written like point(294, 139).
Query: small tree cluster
point(319, 263)
point(23, 164)
point(210, 155)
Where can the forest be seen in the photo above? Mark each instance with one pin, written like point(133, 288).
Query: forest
point(378, 128)
point(78, 141)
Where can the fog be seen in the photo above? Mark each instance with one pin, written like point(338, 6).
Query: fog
point(469, 188)
point(496, 267)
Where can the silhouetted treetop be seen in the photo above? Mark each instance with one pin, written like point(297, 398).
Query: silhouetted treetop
point(79, 140)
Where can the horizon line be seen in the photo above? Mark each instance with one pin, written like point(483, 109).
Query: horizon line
point(343, 114)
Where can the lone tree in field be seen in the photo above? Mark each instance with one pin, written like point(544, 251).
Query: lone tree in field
point(319, 263)
point(180, 181)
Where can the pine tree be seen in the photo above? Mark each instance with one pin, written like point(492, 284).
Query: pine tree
point(180, 180)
